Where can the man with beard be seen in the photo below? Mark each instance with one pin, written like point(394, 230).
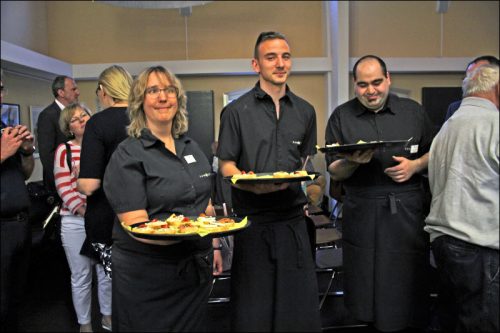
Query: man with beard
point(386, 251)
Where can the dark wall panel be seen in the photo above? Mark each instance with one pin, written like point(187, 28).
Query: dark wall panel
point(200, 107)
point(435, 101)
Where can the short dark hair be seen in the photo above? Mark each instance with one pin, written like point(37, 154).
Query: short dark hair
point(369, 56)
point(492, 60)
point(59, 83)
point(266, 36)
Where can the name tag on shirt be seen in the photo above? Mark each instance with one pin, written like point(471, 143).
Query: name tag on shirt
point(189, 159)
point(413, 149)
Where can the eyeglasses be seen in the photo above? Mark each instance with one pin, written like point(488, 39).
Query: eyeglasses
point(170, 91)
point(79, 118)
point(3, 90)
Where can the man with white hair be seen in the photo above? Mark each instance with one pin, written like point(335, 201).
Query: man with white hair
point(464, 217)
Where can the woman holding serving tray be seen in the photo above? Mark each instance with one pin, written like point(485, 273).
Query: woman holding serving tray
point(159, 285)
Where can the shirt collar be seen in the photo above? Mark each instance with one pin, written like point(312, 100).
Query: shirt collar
point(61, 105)
point(261, 94)
point(149, 140)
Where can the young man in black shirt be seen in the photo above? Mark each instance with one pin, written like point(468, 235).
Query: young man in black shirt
point(274, 286)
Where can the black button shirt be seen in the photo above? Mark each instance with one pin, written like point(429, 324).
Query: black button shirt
point(251, 135)
point(401, 119)
point(143, 174)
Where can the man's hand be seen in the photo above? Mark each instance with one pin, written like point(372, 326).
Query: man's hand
point(403, 170)
point(27, 138)
point(10, 142)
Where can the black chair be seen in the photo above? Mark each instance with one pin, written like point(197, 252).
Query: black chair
point(221, 289)
point(329, 260)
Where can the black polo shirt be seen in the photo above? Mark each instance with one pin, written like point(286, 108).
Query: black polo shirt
point(251, 135)
point(14, 194)
point(143, 174)
point(400, 119)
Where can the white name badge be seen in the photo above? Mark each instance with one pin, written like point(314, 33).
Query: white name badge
point(189, 159)
point(413, 149)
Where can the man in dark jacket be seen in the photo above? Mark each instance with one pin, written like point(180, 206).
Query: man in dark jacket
point(49, 135)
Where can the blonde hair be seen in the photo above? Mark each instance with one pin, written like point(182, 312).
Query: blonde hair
point(116, 82)
point(136, 102)
point(67, 114)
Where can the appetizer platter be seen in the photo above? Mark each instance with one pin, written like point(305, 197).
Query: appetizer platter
point(180, 227)
point(360, 145)
point(272, 177)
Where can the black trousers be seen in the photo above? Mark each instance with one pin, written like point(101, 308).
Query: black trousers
point(15, 255)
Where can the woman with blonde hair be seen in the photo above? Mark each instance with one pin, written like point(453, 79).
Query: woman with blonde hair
point(159, 285)
point(104, 132)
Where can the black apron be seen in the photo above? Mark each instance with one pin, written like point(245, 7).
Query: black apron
point(157, 294)
point(273, 279)
point(386, 257)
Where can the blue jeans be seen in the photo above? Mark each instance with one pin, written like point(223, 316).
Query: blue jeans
point(468, 276)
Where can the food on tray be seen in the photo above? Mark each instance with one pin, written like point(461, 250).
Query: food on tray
point(176, 220)
point(245, 175)
point(182, 225)
point(336, 144)
point(300, 173)
point(273, 175)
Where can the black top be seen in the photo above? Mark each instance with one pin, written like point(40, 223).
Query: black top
point(252, 136)
point(400, 119)
point(143, 174)
point(13, 192)
point(103, 133)
point(49, 137)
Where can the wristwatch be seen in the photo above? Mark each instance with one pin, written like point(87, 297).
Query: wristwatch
point(219, 248)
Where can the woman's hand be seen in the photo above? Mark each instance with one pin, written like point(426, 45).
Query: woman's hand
point(218, 266)
point(217, 256)
point(137, 216)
